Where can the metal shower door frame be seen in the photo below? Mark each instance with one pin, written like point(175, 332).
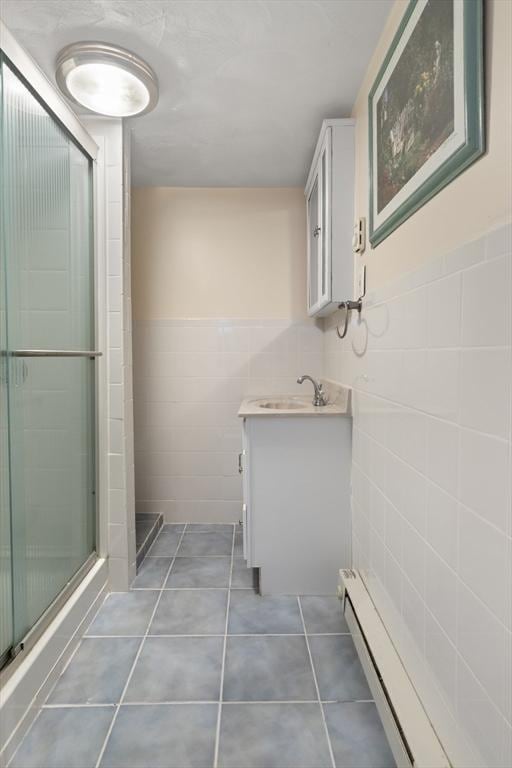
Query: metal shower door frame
point(54, 103)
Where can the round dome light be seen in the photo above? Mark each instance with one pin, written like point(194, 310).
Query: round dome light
point(106, 79)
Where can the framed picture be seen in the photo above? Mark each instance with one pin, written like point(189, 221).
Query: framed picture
point(426, 110)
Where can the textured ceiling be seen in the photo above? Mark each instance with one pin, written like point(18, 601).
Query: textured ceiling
point(244, 85)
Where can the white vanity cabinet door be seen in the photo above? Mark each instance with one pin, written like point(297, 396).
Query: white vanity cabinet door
point(297, 490)
point(246, 521)
point(330, 211)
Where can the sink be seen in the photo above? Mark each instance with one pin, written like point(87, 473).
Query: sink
point(281, 405)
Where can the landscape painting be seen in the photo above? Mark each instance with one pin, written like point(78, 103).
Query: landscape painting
point(416, 110)
point(417, 125)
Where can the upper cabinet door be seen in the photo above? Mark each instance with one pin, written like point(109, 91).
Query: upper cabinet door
point(329, 196)
point(313, 216)
point(318, 231)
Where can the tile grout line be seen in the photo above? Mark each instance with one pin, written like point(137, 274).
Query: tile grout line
point(44, 705)
point(231, 634)
point(36, 718)
point(132, 669)
point(111, 705)
point(331, 753)
point(223, 665)
point(189, 557)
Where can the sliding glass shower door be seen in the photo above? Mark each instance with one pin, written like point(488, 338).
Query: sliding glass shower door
point(47, 373)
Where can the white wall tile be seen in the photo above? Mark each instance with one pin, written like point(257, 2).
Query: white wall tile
point(431, 473)
point(115, 258)
point(441, 656)
point(484, 643)
point(486, 299)
point(484, 563)
point(485, 390)
point(443, 368)
point(444, 312)
point(113, 170)
point(190, 377)
point(115, 296)
point(114, 183)
point(116, 471)
point(442, 524)
point(117, 540)
point(114, 220)
point(443, 454)
point(414, 558)
point(485, 476)
point(480, 721)
point(441, 593)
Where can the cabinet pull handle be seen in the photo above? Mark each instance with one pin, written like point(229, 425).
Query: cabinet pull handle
point(317, 231)
point(240, 466)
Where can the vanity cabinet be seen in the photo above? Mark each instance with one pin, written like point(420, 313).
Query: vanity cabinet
point(330, 215)
point(296, 503)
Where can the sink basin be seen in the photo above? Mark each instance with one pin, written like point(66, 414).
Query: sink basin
point(281, 405)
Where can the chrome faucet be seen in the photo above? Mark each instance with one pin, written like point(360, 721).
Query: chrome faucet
point(320, 397)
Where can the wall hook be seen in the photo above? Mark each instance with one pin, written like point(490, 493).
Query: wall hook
point(351, 306)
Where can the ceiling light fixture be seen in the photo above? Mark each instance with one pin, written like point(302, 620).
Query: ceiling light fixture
point(106, 79)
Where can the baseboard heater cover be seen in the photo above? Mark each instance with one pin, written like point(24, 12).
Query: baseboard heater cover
point(411, 736)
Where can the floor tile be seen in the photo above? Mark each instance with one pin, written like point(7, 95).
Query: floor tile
point(65, 738)
point(268, 669)
point(273, 736)
point(162, 736)
point(97, 673)
point(124, 613)
point(251, 614)
point(152, 573)
point(338, 669)
point(190, 612)
point(238, 550)
point(323, 614)
point(243, 577)
point(199, 572)
point(177, 669)
point(205, 544)
point(209, 528)
point(357, 736)
point(166, 543)
point(174, 527)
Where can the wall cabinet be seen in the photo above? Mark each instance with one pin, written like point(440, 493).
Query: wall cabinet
point(330, 215)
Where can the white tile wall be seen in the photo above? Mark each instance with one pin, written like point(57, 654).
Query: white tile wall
point(190, 377)
point(430, 365)
point(114, 159)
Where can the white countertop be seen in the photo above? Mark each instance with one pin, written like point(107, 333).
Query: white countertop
point(339, 401)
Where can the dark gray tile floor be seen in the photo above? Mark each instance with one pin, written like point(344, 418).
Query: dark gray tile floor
point(192, 669)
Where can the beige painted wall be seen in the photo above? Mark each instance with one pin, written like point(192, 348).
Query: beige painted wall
point(476, 201)
point(227, 253)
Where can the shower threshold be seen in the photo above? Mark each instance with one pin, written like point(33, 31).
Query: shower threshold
point(147, 527)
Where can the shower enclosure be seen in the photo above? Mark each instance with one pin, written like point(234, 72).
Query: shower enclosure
point(47, 364)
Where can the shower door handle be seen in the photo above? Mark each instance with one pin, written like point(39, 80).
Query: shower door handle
point(54, 353)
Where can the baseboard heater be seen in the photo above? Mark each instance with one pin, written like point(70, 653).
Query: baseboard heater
point(411, 736)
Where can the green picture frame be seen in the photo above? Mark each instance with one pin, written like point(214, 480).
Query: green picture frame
point(407, 166)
